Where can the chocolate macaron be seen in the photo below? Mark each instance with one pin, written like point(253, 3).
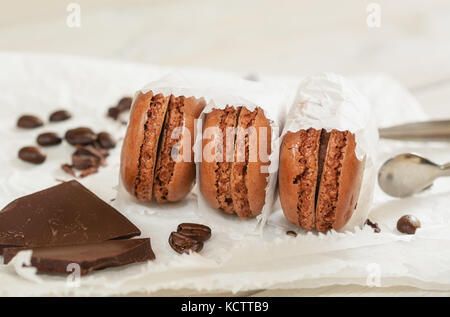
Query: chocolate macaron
point(319, 178)
point(233, 171)
point(161, 128)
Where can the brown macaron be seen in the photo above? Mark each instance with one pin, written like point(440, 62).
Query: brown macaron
point(159, 126)
point(233, 170)
point(319, 178)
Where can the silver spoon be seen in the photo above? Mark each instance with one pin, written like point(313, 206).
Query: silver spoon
point(407, 174)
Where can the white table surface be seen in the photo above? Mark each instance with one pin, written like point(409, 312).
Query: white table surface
point(412, 44)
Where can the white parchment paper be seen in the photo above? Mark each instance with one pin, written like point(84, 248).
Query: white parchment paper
point(329, 101)
point(234, 259)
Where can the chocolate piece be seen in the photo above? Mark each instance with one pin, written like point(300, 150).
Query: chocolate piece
point(375, 227)
point(29, 122)
point(291, 233)
point(48, 139)
point(408, 224)
point(66, 214)
point(32, 154)
point(89, 257)
point(80, 136)
point(60, 115)
point(195, 231)
point(183, 244)
point(105, 140)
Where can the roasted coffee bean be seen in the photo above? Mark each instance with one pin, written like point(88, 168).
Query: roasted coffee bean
point(373, 225)
point(88, 171)
point(114, 113)
point(32, 154)
point(105, 140)
point(81, 136)
point(195, 231)
point(408, 224)
point(48, 139)
point(29, 122)
point(87, 157)
point(183, 244)
point(291, 233)
point(125, 104)
point(60, 115)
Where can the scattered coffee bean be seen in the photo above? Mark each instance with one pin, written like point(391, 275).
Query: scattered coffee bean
point(86, 157)
point(291, 233)
point(81, 136)
point(375, 227)
point(113, 113)
point(68, 169)
point(195, 231)
point(29, 122)
point(60, 115)
point(183, 244)
point(89, 171)
point(408, 224)
point(125, 104)
point(32, 154)
point(48, 139)
point(105, 140)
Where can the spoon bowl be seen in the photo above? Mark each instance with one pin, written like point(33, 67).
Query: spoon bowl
point(407, 174)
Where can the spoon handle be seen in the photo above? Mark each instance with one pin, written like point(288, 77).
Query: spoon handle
point(419, 131)
point(446, 169)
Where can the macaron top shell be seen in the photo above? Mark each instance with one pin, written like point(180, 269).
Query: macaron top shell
point(134, 138)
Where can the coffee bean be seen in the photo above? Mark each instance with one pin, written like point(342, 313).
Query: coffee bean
point(183, 244)
point(114, 113)
point(87, 157)
point(29, 122)
point(408, 224)
point(48, 139)
point(125, 104)
point(291, 233)
point(60, 115)
point(81, 136)
point(88, 171)
point(373, 225)
point(195, 231)
point(32, 154)
point(105, 140)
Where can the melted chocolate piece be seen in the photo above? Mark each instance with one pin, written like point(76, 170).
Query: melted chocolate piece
point(66, 214)
point(89, 257)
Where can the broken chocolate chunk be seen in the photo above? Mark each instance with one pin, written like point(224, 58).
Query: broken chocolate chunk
point(66, 214)
point(89, 257)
